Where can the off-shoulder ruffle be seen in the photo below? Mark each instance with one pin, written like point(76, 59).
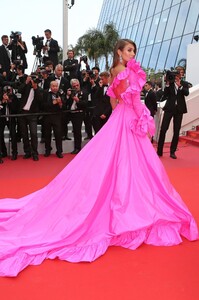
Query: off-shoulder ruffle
point(136, 82)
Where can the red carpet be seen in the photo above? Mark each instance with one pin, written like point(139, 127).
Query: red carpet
point(158, 273)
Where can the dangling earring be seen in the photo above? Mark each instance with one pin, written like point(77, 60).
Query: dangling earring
point(120, 58)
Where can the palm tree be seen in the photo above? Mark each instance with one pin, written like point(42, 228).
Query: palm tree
point(96, 44)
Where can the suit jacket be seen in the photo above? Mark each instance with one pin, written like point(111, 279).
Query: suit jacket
point(64, 83)
point(47, 102)
point(81, 105)
point(52, 52)
point(102, 103)
point(176, 100)
point(35, 107)
point(18, 53)
point(71, 68)
point(150, 102)
point(4, 60)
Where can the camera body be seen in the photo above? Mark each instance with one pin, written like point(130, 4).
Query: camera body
point(8, 91)
point(36, 78)
point(170, 76)
point(38, 42)
point(15, 36)
point(84, 58)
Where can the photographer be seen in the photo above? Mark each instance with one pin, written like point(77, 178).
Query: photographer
point(70, 66)
point(174, 94)
point(53, 101)
point(5, 58)
point(9, 104)
point(50, 49)
point(18, 49)
point(76, 102)
point(30, 103)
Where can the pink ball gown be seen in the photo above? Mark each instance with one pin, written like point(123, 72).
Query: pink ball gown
point(114, 192)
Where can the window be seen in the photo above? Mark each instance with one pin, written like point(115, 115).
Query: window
point(154, 26)
point(162, 25)
point(192, 17)
point(146, 56)
point(146, 32)
point(154, 55)
point(162, 55)
point(171, 22)
point(173, 51)
point(186, 40)
point(181, 19)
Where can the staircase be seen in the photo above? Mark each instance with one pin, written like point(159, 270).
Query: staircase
point(191, 137)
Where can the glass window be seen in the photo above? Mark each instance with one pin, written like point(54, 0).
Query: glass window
point(159, 5)
point(162, 56)
point(154, 55)
point(129, 8)
point(139, 11)
point(154, 26)
point(171, 22)
point(192, 17)
point(140, 54)
point(172, 54)
point(167, 4)
point(197, 26)
point(182, 54)
point(176, 2)
point(181, 19)
point(134, 31)
point(122, 21)
point(131, 21)
point(162, 25)
point(147, 55)
point(146, 32)
point(151, 8)
point(128, 32)
point(139, 33)
point(145, 9)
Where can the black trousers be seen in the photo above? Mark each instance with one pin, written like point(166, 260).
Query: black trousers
point(77, 119)
point(29, 123)
point(98, 123)
point(11, 124)
point(177, 121)
point(53, 122)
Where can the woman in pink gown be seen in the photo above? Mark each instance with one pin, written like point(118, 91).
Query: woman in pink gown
point(114, 192)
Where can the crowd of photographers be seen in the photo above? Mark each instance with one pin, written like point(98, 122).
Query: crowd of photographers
point(52, 96)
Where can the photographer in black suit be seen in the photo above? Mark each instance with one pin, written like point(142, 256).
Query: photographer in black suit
point(102, 107)
point(5, 58)
point(76, 102)
point(18, 49)
point(70, 66)
point(174, 94)
point(51, 49)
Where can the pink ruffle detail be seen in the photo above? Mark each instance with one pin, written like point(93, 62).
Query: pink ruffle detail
point(145, 124)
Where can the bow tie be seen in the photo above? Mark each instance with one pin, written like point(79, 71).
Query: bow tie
point(58, 78)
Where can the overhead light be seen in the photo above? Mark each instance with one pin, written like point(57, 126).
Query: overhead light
point(196, 38)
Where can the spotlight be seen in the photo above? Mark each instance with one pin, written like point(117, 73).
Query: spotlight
point(196, 38)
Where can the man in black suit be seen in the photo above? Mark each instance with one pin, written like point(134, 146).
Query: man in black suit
point(53, 102)
point(70, 66)
point(30, 103)
point(51, 49)
point(150, 100)
point(76, 102)
point(102, 107)
point(175, 92)
point(5, 57)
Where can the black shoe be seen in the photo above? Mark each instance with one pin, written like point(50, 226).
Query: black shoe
point(47, 153)
point(67, 138)
point(59, 155)
point(26, 156)
point(172, 155)
point(159, 153)
point(1, 161)
point(4, 154)
point(14, 156)
point(88, 138)
point(35, 157)
point(75, 151)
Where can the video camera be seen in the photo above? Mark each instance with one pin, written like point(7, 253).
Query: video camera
point(38, 42)
point(36, 78)
point(170, 75)
point(84, 58)
point(15, 36)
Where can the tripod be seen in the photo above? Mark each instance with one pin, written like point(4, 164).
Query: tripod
point(38, 61)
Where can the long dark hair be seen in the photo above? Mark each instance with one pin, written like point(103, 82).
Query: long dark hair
point(120, 46)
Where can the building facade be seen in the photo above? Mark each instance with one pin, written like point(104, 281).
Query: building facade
point(161, 29)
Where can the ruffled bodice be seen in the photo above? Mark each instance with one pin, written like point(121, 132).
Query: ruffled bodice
point(126, 87)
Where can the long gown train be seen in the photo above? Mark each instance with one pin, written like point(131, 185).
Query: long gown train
point(114, 192)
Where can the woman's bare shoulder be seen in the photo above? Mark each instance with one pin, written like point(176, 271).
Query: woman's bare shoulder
point(117, 70)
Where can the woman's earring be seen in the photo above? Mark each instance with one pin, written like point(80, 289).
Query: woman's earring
point(121, 58)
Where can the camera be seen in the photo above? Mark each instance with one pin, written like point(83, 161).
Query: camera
point(15, 36)
point(84, 58)
point(91, 74)
point(36, 78)
point(170, 75)
point(38, 42)
point(73, 92)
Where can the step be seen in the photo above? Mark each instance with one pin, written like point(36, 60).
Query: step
point(193, 134)
point(189, 140)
